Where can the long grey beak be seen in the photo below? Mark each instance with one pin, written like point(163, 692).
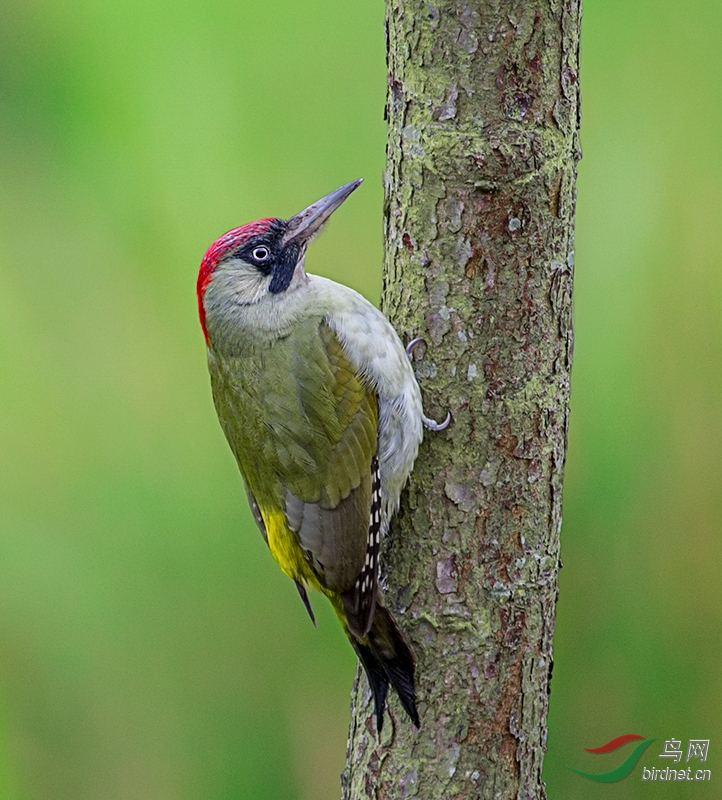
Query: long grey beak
point(303, 225)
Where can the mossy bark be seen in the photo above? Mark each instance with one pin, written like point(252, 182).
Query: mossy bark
point(483, 113)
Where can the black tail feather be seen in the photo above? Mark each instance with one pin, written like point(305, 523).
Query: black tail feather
point(378, 681)
point(387, 658)
point(304, 596)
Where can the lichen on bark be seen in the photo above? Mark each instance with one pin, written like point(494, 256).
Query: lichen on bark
point(483, 117)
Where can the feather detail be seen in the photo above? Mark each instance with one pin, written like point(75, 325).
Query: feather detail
point(359, 603)
point(304, 596)
point(387, 658)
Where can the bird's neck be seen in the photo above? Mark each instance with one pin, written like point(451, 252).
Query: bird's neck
point(235, 327)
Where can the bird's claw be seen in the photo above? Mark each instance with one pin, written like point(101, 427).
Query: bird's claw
point(429, 424)
point(433, 425)
point(410, 346)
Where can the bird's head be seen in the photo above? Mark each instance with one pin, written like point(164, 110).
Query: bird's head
point(263, 258)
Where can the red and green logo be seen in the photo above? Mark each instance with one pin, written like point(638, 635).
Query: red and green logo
point(629, 763)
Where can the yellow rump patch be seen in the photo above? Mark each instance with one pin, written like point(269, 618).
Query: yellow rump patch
point(286, 550)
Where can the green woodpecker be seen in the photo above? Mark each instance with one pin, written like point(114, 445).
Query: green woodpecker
point(317, 398)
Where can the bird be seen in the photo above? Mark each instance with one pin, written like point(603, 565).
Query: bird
point(317, 398)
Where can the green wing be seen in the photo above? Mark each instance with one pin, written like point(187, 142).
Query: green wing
point(303, 426)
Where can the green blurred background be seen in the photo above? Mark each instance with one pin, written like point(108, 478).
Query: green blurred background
point(149, 647)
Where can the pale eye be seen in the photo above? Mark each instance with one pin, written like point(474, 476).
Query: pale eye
point(261, 253)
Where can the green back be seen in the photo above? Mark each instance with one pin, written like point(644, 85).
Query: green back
point(303, 427)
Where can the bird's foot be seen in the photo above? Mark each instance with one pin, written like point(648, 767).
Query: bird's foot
point(433, 425)
point(410, 346)
point(429, 424)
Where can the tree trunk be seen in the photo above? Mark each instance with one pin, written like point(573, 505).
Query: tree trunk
point(483, 113)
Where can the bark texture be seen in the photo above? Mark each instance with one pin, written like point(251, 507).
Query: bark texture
point(483, 114)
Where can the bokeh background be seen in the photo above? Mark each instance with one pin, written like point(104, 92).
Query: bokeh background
point(149, 647)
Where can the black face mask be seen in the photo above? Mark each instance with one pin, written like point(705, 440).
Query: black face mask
point(284, 268)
